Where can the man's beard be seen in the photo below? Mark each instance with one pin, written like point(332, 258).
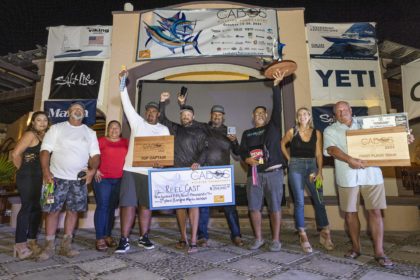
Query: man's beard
point(77, 117)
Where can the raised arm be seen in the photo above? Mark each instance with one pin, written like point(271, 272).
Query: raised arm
point(276, 113)
point(128, 108)
point(164, 96)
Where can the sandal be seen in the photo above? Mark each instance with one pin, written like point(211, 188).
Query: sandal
point(101, 245)
point(304, 243)
point(384, 262)
point(182, 244)
point(192, 249)
point(352, 255)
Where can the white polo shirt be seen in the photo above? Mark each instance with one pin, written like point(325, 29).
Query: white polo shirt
point(345, 176)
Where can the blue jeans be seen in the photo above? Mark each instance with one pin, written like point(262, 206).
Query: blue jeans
point(107, 193)
point(299, 171)
point(231, 217)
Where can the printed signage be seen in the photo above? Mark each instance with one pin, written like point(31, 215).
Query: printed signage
point(58, 110)
point(185, 188)
point(78, 79)
point(218, 32)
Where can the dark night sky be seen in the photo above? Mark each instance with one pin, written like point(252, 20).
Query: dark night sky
point(24, 22)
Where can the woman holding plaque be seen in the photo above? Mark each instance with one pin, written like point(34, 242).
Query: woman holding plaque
point(305, 168)
point(25, 157)
point(107, 184)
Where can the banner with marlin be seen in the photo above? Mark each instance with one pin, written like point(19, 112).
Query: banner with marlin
point(187, 33)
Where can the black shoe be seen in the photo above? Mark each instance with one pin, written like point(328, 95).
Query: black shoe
point(145, 242)
point(123, 246)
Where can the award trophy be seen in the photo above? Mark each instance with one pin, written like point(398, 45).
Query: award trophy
point(288, 66)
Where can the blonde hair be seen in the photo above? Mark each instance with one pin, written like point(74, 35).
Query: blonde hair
point(311, 122)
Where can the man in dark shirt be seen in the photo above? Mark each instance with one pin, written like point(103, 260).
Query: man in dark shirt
point(218, 153)
point(190, 146)
point(260, 149)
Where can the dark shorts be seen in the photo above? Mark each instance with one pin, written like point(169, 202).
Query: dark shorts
point(134, 190)
point(270, 187)
point(69, 192)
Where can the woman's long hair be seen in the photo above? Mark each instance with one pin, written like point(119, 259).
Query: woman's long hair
point(311, 122)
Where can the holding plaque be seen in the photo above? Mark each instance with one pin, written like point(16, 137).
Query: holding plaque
point(385, 146)
point(152, 150)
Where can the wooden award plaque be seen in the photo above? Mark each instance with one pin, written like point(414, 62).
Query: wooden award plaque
point(385, 146)
point(282, 65)
point(153, 149)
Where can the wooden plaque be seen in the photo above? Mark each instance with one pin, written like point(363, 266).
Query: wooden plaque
point(153, 149)
point(385, 146)
point(282, 65)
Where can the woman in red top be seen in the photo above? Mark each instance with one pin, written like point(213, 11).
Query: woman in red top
point(107, 183)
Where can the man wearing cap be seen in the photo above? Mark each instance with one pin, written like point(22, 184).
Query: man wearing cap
point(67, 149)
point(134, 183)
point(260, 149)
point(190, 146)
point(220, 144)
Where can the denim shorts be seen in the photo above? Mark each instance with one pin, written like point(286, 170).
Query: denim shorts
point(69, 192)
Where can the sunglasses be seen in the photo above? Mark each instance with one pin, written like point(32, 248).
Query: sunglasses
point(80, 175)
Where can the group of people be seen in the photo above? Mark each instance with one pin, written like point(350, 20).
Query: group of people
point(70, 156)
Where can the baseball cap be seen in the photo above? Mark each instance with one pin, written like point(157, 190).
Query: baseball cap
point(152, 104)
point(80, 103)
point(218, 108)
point(187, 108)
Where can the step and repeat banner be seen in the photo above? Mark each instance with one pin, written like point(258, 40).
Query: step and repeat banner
point(215, 32)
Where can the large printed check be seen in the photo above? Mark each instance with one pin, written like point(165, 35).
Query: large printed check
point(172, 188)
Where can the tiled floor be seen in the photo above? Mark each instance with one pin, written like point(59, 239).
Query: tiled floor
point(221, 260)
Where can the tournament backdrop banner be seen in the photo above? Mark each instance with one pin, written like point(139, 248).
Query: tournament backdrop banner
point(57, 110)
point(76, 79)
point(344, 61)
point(72, 42)
point(411, 88)
point(324, 116)
point(218, 32)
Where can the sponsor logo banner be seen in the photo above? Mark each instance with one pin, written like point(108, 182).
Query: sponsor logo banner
point(345, 79)
point(218, 32)
point(336, 41)
point(324, 116)
point(71, 42)
point(185, 188)
point(411, 89)
point(76, 79)
point(57, 110)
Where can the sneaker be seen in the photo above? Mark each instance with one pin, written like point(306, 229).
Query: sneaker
point(123, 246)
point(257, 244)
point(275, 246)
point(145, 242)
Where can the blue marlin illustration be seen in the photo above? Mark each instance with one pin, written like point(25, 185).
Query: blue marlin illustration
point(177, 25)
point(157, 34)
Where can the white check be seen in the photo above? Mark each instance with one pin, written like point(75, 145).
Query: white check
point(172, 188)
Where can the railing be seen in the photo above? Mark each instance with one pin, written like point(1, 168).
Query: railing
point(411, 178)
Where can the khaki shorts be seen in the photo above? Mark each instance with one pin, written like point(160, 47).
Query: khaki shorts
point(373, 196)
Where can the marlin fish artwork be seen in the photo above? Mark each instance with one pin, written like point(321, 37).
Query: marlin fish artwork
point(174, 32)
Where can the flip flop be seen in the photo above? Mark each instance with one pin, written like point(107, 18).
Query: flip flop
point(384, 262)
point(193, 249)
point(352, 255)
point(182, 244)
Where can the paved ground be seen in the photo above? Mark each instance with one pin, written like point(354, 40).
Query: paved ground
point(220, 261)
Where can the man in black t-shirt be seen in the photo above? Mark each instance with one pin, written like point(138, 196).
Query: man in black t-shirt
point(260, 149)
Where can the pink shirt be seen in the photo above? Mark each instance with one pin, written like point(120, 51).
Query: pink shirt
point(112, 157)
